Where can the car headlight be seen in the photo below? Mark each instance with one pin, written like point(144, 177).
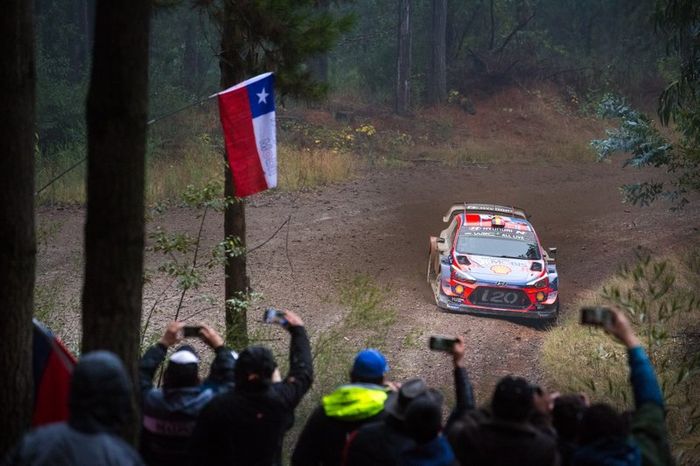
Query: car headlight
point(541, 283)
point(462, 276)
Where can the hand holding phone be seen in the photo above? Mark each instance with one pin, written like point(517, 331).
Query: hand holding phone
point(442, 343)
point(597, 316)
point(191, 331)
point(274, 316)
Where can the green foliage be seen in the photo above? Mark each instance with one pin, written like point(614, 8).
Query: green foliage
point(638, 136)
point(277, 35)
point(662, 299)
point(183, 251)
point(678, 20)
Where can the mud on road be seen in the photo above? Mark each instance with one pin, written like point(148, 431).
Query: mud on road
point(379, 225)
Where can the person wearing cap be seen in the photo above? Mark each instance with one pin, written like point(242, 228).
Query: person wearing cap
point(424, 426)
point(170, 413)
point(507, 436)
point(343, 411)
point(247, 425)
point(403, 436)
point(100, 407)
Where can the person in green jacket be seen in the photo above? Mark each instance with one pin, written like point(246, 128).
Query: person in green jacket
point(343, 411)
point(645, 440)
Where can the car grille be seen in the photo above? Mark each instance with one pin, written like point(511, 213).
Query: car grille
point(506, 298)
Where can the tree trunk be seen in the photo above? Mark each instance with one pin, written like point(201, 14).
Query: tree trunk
point(190, 59)
point(403, 66)
point(318, 65)
point(437, 74)
point(114, 231)
point(236, 281)
point(17, 241)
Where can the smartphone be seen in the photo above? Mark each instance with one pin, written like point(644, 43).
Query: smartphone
point(597, 316)
point(191, 331)
point(274, 316)
point(442, 343)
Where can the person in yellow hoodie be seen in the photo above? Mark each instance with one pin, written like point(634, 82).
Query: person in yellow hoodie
point(344, 411)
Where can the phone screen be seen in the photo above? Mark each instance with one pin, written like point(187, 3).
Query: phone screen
point(597, 316)
point(440, 343)
point(191, 331)
point(274, 316)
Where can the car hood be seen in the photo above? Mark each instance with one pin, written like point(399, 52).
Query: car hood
point(501, 269)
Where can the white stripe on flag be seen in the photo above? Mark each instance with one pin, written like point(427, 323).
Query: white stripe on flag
point(266, 141)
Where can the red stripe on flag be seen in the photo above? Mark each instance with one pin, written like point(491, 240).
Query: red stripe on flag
point(51, 404)
point(241, 149)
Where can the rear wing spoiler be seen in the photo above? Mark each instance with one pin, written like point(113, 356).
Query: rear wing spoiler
point(457, 209)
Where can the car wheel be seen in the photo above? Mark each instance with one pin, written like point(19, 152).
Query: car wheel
point(550, 321)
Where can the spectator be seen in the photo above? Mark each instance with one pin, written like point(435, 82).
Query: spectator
point(566, 419)
point(170, 413)
point(343, 411)
point(604, 433)
point(507, 437)
point(393, 440)
point(424, 426)
point(246, 425)
point(100, 406)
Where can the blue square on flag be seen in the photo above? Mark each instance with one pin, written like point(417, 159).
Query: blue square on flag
point(262, 96)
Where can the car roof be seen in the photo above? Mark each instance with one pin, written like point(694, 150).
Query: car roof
point(485, 221)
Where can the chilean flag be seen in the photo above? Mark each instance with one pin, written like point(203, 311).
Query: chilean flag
point(248, 118)
point(53, 367)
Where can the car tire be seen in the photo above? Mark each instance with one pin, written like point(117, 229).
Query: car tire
point(550, 322)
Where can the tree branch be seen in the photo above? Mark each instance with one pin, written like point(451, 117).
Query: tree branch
point(518, 28)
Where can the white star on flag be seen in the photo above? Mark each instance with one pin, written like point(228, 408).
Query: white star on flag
point(262, 96)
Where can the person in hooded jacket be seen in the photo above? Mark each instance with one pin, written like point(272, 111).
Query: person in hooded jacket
point(606, 437)
point(170, 413)
point(246, 425)
point(343, 411)
point(505, 436)
point(100, 407)
point(424, 426)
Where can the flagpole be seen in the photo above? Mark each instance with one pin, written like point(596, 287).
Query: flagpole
point(148, 123)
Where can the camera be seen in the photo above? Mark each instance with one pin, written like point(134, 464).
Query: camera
point(597, 316)
point(274, 316)
point(442, 343)
point(189, 331)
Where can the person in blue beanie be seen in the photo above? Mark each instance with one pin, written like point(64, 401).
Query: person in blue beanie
point(343, 411)
point(606, 437)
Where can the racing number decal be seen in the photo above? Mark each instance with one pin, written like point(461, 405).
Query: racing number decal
point(499, 297)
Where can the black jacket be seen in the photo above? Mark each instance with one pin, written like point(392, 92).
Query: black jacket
point(324, 435)
point(384, 443)
point(100, 404)
point(169, 415)
point(492, 442)
point(247, 428)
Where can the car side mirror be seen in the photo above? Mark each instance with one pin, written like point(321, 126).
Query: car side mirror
point(552, 251)
point(442, 245)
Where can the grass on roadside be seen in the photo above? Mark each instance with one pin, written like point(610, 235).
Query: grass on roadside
point(662, 297)
point(367, 322)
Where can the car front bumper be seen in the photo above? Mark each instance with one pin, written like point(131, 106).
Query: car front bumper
point(540, 311)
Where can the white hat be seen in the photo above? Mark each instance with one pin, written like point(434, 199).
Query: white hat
point(184, 356)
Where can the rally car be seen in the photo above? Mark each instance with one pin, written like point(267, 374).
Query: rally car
point(489, 260)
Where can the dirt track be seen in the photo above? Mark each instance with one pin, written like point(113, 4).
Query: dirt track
point(379, 225)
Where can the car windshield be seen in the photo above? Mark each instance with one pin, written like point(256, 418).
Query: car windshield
point(499, 243)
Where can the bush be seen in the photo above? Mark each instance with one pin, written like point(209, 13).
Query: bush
point(662, 298)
